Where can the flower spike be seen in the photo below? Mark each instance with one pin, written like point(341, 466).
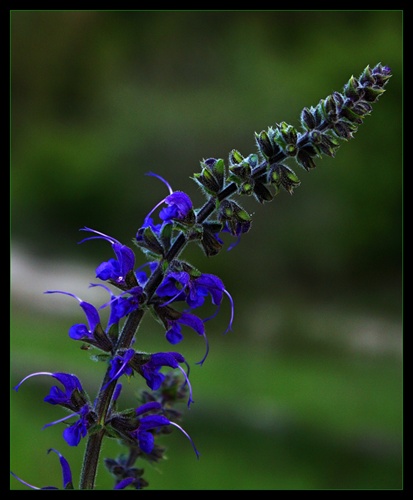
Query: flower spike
point(169, 280)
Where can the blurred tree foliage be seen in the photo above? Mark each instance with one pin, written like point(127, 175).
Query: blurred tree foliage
point(101, 97)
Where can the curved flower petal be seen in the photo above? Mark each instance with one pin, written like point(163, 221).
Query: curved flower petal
point(152, 405)
point(66, 472)
point(56, 395)
point(115, 270)
point(179, 206)
point(124, 483)
point(90, 311)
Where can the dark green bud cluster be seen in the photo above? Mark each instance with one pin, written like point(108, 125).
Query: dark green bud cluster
point(211, 178)
point(338, 116)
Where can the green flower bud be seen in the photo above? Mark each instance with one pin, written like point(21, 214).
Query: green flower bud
point(264, 144)
point(286, 137)
point(210, 242)
point(235, 157)
point(262, 193)
point(349, 115)
point(282, 176)
point(211, 178)
point(149, 240)
point(366, 77)
point(305, 159)
point(351, 89)
point(371, 94)
point(307, 119)
point(207, 181)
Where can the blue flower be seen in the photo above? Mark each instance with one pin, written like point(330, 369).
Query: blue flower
point(119, 366)
point(173, 333)
point(143, 433)
point(179, 207)
point(93, 333)
point(193, 288)
point(81, 331)
point(150, 370)
point(78, 430)
point(136, 482)
point(114, 270)
point(66, 473)
point(121, 305)
point(173, 321)
point(182, 286)
point(73, 398)
point(141, 275)
point(147, 365)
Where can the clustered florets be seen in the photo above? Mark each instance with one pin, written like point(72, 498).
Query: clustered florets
point(173, 290)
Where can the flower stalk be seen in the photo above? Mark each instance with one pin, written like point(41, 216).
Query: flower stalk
point(172, 290)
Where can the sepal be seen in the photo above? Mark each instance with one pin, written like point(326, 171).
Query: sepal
point(210, 241)
point(146, 238)
point(211, 178)
point(372, 94)
point(236, 218)
point(261, 193)
point(286, 137)
point(282, 176)
point(267, 146)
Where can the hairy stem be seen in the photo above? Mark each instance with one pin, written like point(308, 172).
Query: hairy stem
point(94, 443)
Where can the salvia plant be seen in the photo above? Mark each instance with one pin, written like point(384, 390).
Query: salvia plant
point(173, 290)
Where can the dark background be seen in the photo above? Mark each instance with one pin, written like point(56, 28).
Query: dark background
point(306, 392)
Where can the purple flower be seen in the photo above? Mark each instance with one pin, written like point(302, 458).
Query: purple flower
point(119, 366)
point(121, 305)
point(144, 432)
point(92, 333)
point(115, 270)
point(81, 331)
point(73, 398)
point(156, 228)
point(182, 286)
point(78, 430)
point(173, 333)
point(127, 482)
point(173, 323)
point(58, 396)
point(151, 369)
point(75, 432)
point(141, 275)
point(66, 473)
point(179, 207)
point(148, 365)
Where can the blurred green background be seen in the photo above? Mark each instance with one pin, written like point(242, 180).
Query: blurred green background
point(306, 391)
